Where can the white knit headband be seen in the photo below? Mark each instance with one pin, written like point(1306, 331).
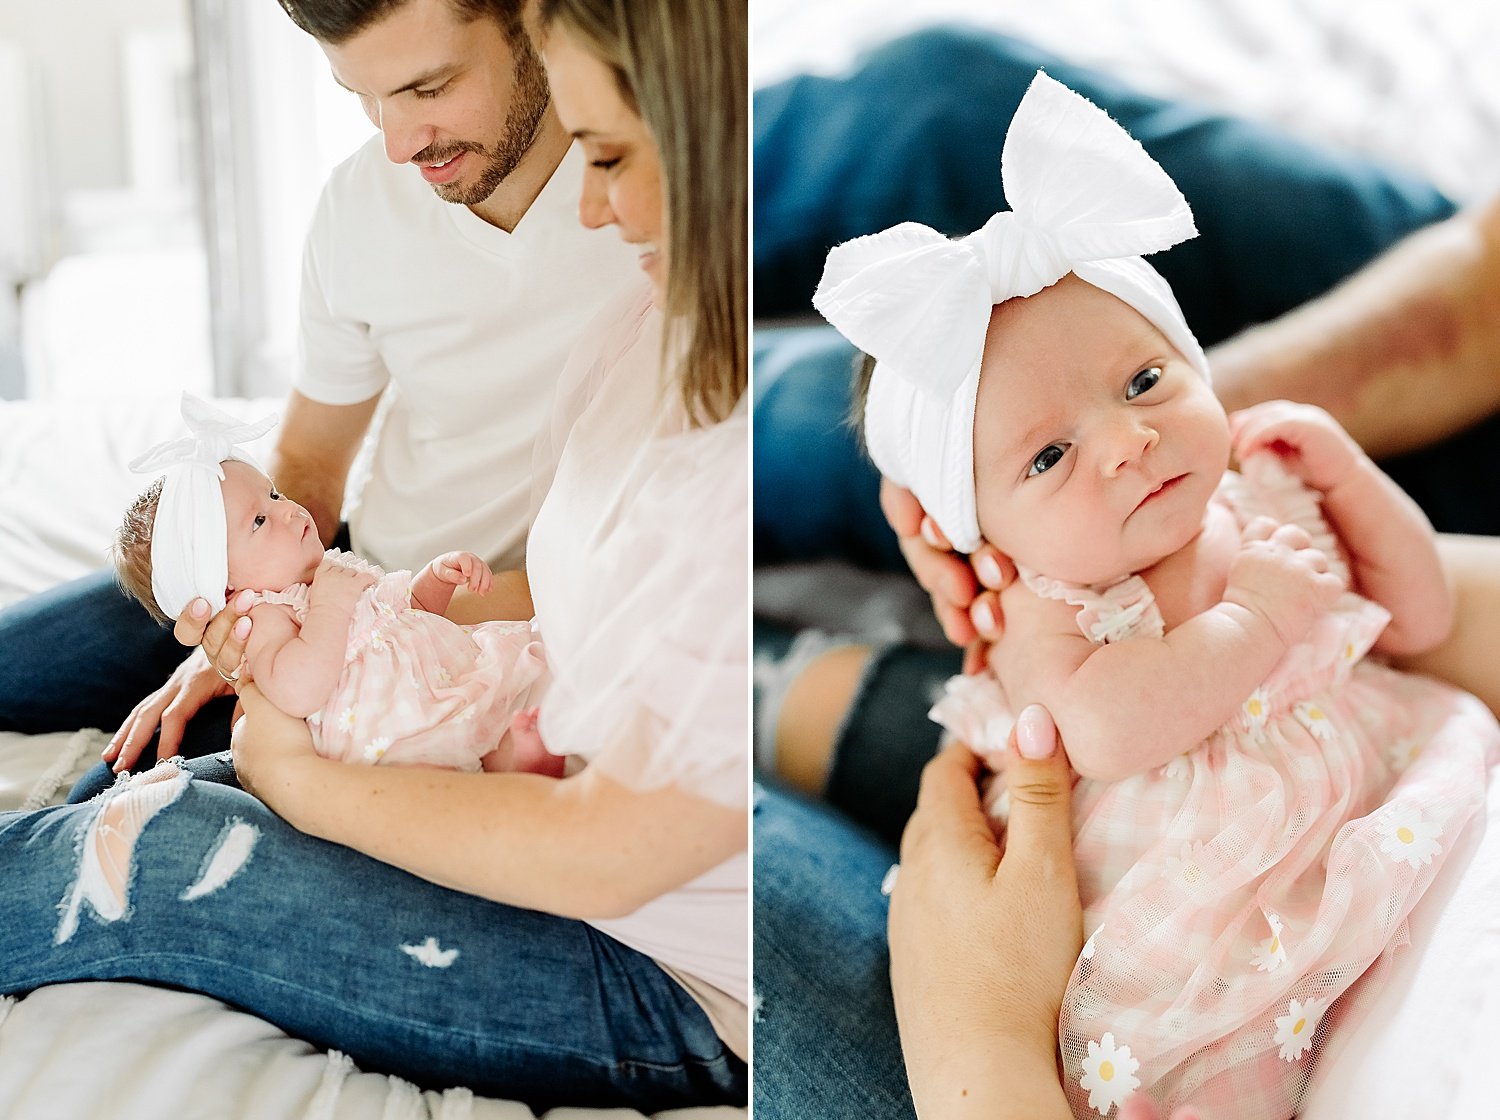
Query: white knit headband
point(189, 546)
point(1085, 198)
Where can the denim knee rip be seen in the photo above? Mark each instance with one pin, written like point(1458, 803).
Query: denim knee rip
point(106, 848)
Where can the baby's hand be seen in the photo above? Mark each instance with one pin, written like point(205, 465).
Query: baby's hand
point(463, 569)
point(1278, 576)
point(1309, 442)
point(336, 585)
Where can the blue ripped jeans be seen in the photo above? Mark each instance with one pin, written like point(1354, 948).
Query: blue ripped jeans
point(405, 977)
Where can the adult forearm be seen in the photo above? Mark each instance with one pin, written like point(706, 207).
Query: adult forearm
point(1405, 352)
point(315, 489)
point(581, 847)
point(314, 451)
point(509, 600)
point(1002, 1079)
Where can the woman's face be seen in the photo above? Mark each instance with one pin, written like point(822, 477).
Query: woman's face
point(622, 184)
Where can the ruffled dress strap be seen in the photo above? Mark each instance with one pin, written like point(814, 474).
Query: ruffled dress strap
point(294, 596)
point(353, 563)
point(1111, 613)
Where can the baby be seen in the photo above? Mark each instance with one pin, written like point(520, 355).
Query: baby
point(1260, 806)
point(367, 658)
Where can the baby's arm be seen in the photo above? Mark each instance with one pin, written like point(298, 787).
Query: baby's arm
point(432, 588)
point(297, 668)
point(1133, 705)
point(1393, 556)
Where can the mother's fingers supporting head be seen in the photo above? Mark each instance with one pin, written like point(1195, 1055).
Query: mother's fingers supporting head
point(227, 634)
point(188, 630)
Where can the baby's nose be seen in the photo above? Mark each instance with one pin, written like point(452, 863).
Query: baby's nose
point(1127, 445)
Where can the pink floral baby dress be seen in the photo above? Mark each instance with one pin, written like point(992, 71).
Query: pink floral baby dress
point(417, 688)
point(1232, 896)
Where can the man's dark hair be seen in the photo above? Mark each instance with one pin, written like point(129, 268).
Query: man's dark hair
point(335, 21)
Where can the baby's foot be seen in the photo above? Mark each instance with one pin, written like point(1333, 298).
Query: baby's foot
point(528, 754)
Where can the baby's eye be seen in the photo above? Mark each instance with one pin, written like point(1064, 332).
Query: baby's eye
point(1142, 382)
point(1046, 459)
point(260, 519)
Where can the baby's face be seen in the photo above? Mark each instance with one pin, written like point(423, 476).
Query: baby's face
point(1096, 445)
point(273, 542)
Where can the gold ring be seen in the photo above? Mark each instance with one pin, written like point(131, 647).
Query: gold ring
point(227, 678)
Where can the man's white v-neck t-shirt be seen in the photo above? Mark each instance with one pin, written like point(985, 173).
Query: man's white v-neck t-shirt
point(466, 328)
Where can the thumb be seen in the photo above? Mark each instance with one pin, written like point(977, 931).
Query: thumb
point(1040, 785)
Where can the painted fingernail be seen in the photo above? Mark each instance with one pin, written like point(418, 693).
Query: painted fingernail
point(243, 600)
point(1036, 737)
point(929, 533)
point(199, 608)
point(242, 628)
point(984, 617)
point(988, 570)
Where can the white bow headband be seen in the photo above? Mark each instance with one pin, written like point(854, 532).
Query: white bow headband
point(1085, 198)
point(189, 548)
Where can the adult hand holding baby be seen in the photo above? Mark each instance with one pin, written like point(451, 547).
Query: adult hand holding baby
point(984, 934)
point(192, 684)
point(965, 590)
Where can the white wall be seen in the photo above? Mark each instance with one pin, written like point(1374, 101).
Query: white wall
point(75, 45)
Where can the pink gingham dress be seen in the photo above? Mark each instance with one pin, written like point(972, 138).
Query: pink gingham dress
point(1233, 895)
point(417, 688)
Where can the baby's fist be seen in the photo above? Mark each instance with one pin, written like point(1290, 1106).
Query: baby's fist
point(1309, 442)
point(1279, 576)
point(464, 569)
point(337, 584)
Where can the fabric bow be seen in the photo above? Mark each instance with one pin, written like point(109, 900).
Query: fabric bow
point(189, 554)
point(1086, 198)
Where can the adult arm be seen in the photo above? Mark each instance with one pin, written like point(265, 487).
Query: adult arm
point(582, 847)
point(983, 940)
point(314, 451)
point(1403, 353)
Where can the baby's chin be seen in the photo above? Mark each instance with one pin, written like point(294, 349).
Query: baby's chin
point(1096, 569)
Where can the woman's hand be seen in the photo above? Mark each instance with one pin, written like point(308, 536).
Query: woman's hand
point(964, 589)
point(984, 933)
point(192, 685)
point(268, 744)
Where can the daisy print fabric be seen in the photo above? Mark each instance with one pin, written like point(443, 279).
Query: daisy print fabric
point(1239, 894)
point(417, 688)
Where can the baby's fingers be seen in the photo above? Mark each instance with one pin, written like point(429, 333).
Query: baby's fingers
point(1293, 537)
point(1259, 529)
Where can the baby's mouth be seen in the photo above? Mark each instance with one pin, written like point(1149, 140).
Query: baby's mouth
point(1161, 489)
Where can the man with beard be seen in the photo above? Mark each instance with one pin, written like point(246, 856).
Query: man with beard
point(451, 290)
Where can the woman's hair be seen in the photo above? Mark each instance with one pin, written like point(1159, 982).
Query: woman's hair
point(337, 21)
point(131, 550)
point(681, 64)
